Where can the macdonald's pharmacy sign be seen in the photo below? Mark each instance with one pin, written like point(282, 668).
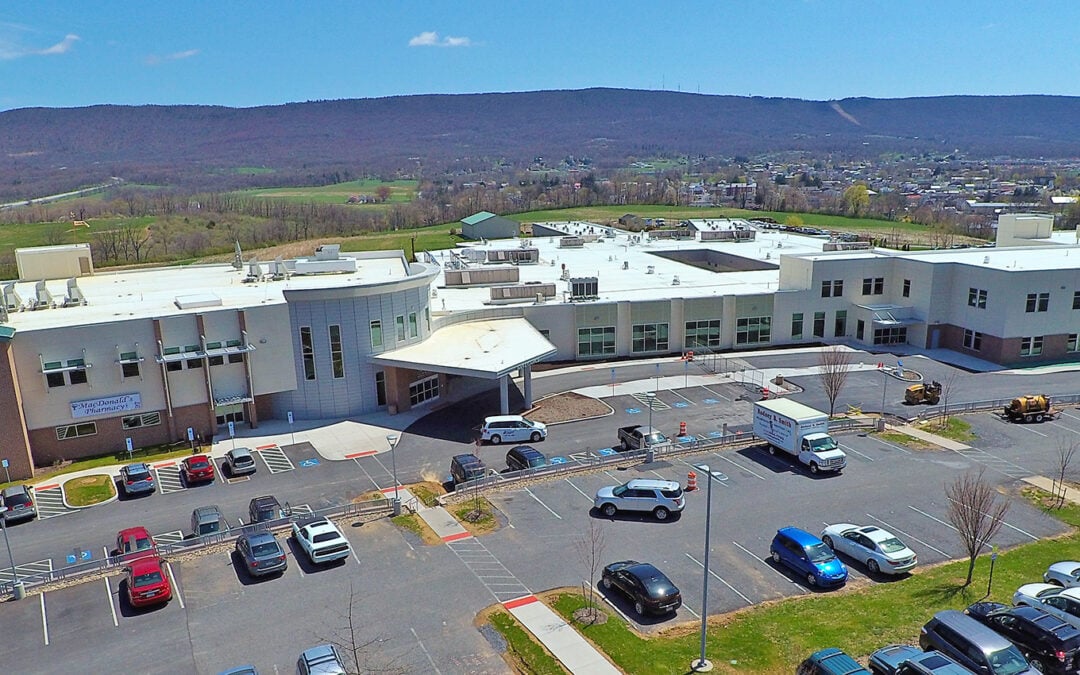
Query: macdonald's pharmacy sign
point(105, 406)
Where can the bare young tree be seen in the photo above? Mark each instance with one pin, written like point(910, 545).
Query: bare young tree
point(975, 512)
point(363, 654)
point(590, 551)
point(948, 385)
point(1066, 450)
point(835, 365)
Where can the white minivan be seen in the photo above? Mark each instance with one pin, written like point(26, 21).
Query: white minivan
point(513, 428)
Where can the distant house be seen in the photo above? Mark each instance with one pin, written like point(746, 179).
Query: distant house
point(631, 221)
point(486, 225)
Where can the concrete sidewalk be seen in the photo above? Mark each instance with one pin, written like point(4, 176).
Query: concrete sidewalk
point(559, 637)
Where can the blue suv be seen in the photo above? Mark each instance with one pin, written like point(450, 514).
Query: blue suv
point(809, 556)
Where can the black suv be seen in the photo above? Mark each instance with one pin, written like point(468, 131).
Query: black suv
point(1050, 644)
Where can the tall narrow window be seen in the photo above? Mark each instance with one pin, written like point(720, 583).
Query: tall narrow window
point(796, 326)
point(819, 324)
point(840, 325)
point(337, 358)
point(380, 387)
point(307, 351)
point(376, 334)
point(907, 288)
point(413, 327)
point(399, 324)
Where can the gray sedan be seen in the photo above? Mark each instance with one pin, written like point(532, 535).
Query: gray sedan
point(262, 553)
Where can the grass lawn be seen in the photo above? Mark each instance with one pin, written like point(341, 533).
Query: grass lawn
point(149, 455)
point(774, 638)
point(476, 515)
point(525, 653)
point(903, 439)
point(88, 490)
point(401, 191)
point(954, 428)
point(415, 524)
point(427, 492)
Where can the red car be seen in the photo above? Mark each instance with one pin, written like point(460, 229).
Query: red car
point(147, 583)
point(135, 543)
point(197, 468)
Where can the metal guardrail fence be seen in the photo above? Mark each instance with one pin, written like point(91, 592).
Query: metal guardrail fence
point(990, 404)
point(674, 449)
point(350, 510)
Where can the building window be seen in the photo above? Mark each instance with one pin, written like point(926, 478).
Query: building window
point(129, 369)
point(1076, 299)
point(55, 380)
point(414, 327)
point(173, 366)
point(1031, 346)
point(427, 319)
point(973, 340)
point(702, 334)
point(819, 324)
point(76, 431)
point(216, 360)
point(650, 337)
point(307, 351)
point(596, 341)
point(424, 390)
point(234, 416)
point(840, 324)
point(907, 288)
point(832, 289)
point(977, 298)
point(74, 369)
point(136, 421)
point(873, 286)
point(193, 363)
point(895, 335)
point(753, 330)
point(1072, 345)
point(399, 324)
point(380, 388)
point(1037, 302)
point(236, 358)
point(337, 358)
point(375, 329)
point(76, 376)
point(796, 326)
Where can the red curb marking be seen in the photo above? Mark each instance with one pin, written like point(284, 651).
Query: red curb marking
point(527, 600)
point(362, 454)
point(47, 487)
point(266, 447)
point(386, 491)
point(454, 537)
point(163, 464)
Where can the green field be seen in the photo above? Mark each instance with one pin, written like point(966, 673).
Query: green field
point(23, 235)
point(401, 191)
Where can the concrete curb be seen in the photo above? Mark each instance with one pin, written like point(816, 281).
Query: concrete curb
point(63, 492)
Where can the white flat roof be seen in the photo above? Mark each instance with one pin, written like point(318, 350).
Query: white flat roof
point(1018, 258)
point(486, 349)
point(153, 292)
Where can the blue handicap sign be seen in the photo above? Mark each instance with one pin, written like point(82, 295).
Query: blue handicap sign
point(309, 462)
point(605, 452)
point(715, 434)
point(70, 558)
point(84, 555)
point(682, 404)
point(687, 439)
point(710, 400)
point(633, 411)
point(557, 460)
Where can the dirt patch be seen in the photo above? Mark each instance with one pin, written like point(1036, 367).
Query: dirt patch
point(476, 515)
point(415, 524)
point(567, 407)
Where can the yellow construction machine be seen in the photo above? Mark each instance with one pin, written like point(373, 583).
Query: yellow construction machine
point(1030, 408)
point(923, 393)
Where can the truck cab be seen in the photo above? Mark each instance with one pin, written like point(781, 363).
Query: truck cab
point(638, 437)
point(821, 452)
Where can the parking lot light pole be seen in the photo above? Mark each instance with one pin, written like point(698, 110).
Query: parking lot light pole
point(392, 439)
point(15, 584)
point(703, 665)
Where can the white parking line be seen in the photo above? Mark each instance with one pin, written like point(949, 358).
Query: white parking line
point(740, 466)
point(44, 621)
point(112, 607)
point(1011, 527)
point(613, 605)
point(893, 528)
point(377, 486)
point(704, 488)
point(1059, 425)
point(176, 587)
point(578, 489)
point(355, 557)
point(890, 445)
point(767, 565)
point(848, 448)
point(542, 503)
point(687, 608)
point(672, 391)
point(716, 393)
point(720, 579)
point(658, 474)
point(1065, 413)
point(939, 520)
point(426, 653)
point(608, 474)
point(1027, 428)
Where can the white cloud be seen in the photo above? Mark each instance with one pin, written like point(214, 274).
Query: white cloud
point(431, 39)
point(155, 59)
point(11, 50)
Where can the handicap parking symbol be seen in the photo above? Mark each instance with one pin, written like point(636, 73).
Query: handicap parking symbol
point(605, 452)
point(710, 400)
point(682, 404)
point(70, 559)
point(687, 439)
point(633, 411)
point(82, 555)
point(715, 434)
point(557, 460)
point(309, 462)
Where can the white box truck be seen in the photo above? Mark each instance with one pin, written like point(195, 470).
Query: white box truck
point(800, 431)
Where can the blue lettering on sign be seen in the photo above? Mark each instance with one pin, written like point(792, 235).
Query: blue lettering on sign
point(605, 452)
point(715, 434)
point(710, 400)
point(557, 460)
point(682, 404)
point(70, 558)
point(309, 462)
point(633, 411)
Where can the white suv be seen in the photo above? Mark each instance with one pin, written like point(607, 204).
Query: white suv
point(512, 428)
point(660, 497)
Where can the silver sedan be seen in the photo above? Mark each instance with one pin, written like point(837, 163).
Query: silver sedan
point(878, 549)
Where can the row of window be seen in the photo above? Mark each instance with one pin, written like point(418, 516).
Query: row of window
point(653, 337)
point(1029, 346)
point(834, 288)
point(1035, 302)
point(190, 364)
point(69, 431)
point(406, 327)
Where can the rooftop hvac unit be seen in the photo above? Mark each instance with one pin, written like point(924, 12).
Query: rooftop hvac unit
point(584, 288)
point(651, 269)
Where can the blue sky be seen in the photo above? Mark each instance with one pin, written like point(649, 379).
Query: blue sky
point(74, 53)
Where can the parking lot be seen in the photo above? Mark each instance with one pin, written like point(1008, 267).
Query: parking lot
point(422, 599)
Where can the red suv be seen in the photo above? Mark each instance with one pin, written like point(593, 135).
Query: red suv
point(135, 543)
point(197, 468)
point(147, 583)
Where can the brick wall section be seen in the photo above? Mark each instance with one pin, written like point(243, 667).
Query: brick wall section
point(14, 443)
point(1005, 351)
